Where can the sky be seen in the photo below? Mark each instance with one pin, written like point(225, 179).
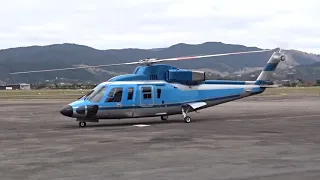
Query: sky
point(111, 24)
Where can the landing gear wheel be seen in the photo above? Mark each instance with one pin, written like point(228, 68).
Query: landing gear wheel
point(187, 119)
point(82, 124)
point(164, 118)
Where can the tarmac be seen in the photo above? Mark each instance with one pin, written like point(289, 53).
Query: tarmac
point(258, 138)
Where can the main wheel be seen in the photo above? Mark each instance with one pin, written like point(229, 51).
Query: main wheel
point(187, 119)
point(164, 118)
point(82, 124)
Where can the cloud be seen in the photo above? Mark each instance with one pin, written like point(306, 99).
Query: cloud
point(105, 24)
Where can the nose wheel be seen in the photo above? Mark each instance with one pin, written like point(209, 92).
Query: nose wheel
point(82, 124)
point(187, 119)
point(164, 117)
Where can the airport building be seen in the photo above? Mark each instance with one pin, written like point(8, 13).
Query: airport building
point(22, 86)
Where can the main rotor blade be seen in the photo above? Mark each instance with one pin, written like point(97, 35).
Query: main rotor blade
point(210, 55)
point(147, 61)
point(84, 67)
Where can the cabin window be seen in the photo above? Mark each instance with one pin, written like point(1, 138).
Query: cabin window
point(114, 95)
point(146, 89)
point(130, 93)
point(147, 92)
point(147, 96)
point(158, 93)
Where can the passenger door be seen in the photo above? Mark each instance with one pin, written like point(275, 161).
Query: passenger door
point(115, 103)
point(146, 96)
point(130, 101)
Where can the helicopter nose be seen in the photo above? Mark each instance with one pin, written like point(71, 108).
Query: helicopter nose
point(67, 111)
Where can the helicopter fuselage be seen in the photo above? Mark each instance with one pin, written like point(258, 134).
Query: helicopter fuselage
point(133, 99)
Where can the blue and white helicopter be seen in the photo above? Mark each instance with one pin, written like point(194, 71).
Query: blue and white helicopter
point(162, 90)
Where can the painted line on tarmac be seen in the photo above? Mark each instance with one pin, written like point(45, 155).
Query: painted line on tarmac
point(234, 120)
point(282, 118)
point(141, 125)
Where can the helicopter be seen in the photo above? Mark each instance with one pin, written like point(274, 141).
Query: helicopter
point(162, 90)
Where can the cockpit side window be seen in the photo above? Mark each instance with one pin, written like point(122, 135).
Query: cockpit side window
point(97, 94)
point(115, 95)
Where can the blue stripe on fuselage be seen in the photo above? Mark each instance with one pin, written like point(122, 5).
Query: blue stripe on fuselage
point(270, 67)
point(259, 82)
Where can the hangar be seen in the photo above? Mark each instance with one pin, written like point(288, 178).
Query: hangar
point(21, 86)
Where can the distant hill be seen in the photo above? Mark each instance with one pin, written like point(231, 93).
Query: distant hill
point(68, 55)
point(309, 72)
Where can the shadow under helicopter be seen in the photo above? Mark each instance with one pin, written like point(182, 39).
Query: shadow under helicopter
point(130, 123)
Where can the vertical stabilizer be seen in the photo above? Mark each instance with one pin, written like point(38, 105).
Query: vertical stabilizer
point(267, 72)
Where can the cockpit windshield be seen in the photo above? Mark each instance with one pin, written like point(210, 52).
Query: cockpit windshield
point(86, 95)
point(97, 94)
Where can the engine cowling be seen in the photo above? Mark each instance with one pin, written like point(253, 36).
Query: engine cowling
point(185, 76)
point(88, 111)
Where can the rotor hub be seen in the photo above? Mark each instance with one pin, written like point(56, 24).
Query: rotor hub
point(149, 61)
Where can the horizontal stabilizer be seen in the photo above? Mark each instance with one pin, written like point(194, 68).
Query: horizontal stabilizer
point(269, 86)
point(197, 105)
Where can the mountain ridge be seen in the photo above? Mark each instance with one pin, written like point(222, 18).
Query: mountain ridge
point(71, 54)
